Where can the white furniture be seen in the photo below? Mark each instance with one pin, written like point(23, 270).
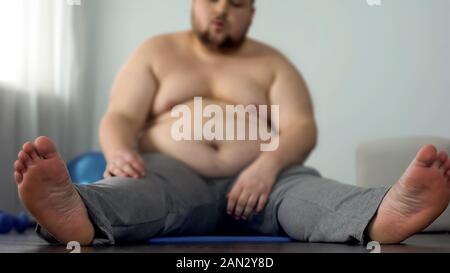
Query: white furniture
point(381, 163)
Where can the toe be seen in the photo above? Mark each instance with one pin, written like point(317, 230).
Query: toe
point(24, 158)
point(438, 162)
point(45, 146)
point(445, 167)
point(443, 156)
point(18, 177)
point(426, 156)
point(18, 166)
point(30, 150)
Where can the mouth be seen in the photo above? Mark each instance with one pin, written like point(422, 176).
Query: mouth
point(219, 25)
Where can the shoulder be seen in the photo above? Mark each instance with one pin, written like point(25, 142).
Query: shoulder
point(276, 58)
point(155, 49)
point(161, 45)
point(162, 42)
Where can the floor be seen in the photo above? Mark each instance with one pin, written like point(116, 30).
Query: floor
point(423, 243)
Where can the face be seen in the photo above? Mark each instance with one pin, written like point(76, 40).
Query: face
point(222, 24)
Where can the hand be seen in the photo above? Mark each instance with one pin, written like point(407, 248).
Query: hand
point(125, 163)
point(251, 191)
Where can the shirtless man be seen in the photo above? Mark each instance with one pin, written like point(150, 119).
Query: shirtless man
point(156, 186)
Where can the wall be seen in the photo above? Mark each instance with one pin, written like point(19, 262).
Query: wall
point(372, 71)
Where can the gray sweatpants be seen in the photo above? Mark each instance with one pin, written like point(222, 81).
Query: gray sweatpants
point(173, 200)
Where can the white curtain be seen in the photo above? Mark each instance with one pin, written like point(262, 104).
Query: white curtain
point(42, 54)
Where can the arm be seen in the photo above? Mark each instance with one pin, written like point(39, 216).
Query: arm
point(130, 102)
point(297, 138)
point(297, 126)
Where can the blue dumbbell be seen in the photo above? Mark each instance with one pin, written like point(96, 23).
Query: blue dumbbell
point(8, 222)
point(21, 222)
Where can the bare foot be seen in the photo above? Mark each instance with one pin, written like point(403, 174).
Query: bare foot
point(416, 200)
point(47, 192)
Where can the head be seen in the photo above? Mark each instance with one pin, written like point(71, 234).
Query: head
point(222, 24)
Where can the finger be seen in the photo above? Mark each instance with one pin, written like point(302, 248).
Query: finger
point(241, 204)
point(139, 167)
point(106, 174)
point(118, 161)
point(123, 161)
point(130, 171)
point(115, 170)
point(231, 204)
point(119, 172)
point(138, 158)
point(262, 202)
point(138, 163)
point(232, 199)
point(110, 168)
point(251, 204)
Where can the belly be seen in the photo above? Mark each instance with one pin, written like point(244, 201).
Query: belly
point(208, 156)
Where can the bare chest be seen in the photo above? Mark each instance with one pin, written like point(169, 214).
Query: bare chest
point(236, 83)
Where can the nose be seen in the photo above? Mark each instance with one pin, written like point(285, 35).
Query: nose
point(222, 7)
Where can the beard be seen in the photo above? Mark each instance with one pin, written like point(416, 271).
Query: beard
point(226, 43)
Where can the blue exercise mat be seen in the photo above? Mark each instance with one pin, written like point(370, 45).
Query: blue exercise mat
point(219, 240)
